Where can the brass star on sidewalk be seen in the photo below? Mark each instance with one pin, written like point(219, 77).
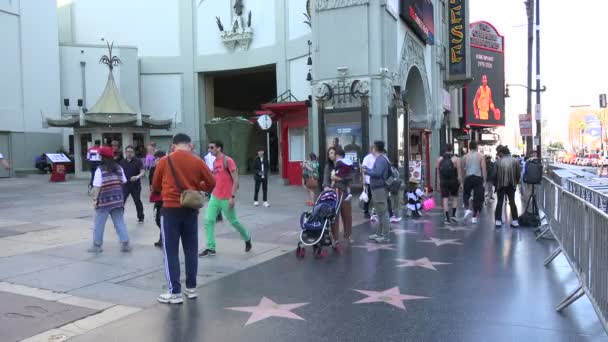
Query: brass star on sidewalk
point(391, 296)
point(372, 247)
point(424, 263)
point(267, 308)
point(441, 242)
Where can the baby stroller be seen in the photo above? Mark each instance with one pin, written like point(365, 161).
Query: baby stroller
point(316, 225)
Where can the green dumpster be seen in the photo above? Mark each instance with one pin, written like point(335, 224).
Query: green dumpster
point(235, 134)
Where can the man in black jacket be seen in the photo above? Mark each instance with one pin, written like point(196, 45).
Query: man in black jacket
point(260, 168)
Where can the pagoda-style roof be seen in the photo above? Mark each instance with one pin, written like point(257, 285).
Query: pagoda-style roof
point(110, 110)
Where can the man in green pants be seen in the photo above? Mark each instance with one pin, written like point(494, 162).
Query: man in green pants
point(223, 198)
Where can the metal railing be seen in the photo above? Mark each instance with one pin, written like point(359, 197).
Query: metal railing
point(594, 191)
point(581, 231)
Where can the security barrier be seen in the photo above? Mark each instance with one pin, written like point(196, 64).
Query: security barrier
point(581, 230)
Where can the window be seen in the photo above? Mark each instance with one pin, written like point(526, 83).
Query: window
point(297, 144)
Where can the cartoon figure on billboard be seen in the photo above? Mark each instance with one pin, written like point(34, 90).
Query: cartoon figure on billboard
point(483, 102)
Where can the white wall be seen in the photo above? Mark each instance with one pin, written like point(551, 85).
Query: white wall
point(10, 6)
point(300, 88)
point(161, 96)
point(208, 34)
point(297, 28)
point(40, 58)
point(150, 25)
point(10, 69)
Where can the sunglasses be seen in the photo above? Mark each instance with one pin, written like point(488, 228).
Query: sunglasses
point(211, 148)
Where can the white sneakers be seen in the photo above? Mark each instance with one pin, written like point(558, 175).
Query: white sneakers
point(266, 205)
point(191, 293)
point(515, 224)
point(395, 219)
point(498, 224)
point(474, 220)
point(467, 213)
point(257, 204)
point(177, 298)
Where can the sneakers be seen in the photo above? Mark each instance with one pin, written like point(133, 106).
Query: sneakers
point(382, 239)
point(207, 252)
point(467, 213)
point(374, 218)
point(95, 249)
point(447, 220)
point(474, 220)
point(266, 205)
point(247, 246)
point(159, 243)
point(256, 204)
point(125, 247)
point(498, 224)
point(140, 221)
point(191, 293)
point(171, 298)
point(395, 219)
point(350, 240)
point(374, 236)
point(515, 224)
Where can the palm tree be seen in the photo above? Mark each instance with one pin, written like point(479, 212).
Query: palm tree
point(110, 60)
point(601, 115)
point(582, 127)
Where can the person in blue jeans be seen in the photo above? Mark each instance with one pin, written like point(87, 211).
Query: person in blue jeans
point(109, 201)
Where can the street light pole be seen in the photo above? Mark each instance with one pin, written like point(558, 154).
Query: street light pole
point(539, 110)
point(530, 13)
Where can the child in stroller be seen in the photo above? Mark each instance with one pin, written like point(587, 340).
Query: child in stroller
point(316, 225)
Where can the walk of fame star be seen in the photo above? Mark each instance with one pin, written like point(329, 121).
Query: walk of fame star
point(424, 263)
point(401, 231)
point(267, 308)
point(441, 242)
point(391, 296)
point(372, 247)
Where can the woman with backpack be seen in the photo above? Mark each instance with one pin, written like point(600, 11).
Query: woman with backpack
point(109, 201)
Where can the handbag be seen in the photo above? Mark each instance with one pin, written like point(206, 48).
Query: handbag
point(312, 183)
point(192, 199)
point(428, 204)
point(363, 199)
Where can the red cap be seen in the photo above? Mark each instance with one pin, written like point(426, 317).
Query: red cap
point(106, 152)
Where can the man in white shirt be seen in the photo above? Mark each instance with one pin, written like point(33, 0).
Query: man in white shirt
point(94, 160)
point(368, 162)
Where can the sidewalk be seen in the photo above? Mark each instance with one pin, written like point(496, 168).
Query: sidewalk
point(45, 229)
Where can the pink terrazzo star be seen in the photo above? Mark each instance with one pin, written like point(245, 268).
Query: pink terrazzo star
point(441, 242)
point(267, 308)
point(401, 231)
point(390, 296)
point(372, 247)
point(424, 263)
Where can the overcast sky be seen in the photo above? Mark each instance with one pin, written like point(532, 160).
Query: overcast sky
point(574, 53)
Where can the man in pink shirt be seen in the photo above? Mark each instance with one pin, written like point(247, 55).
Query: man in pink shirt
point(223, 198)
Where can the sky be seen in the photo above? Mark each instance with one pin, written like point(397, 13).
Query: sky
point(574, 55)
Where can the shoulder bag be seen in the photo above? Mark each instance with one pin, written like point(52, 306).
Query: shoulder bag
point(191, 199)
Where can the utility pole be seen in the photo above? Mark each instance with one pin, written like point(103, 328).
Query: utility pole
point(539, 110)
point(530, 13)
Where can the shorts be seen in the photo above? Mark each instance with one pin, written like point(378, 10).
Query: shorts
point(449, 189)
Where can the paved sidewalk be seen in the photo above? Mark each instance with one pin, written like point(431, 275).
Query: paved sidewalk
point(45, 229)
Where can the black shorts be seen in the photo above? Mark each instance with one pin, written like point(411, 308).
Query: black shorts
point(449, 189)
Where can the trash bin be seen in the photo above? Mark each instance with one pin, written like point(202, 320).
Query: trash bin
point(235, 134)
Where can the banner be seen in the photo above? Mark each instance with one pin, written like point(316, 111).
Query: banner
point(459, 59)
point(419, 16)
point(485, 94)
point(525, 125)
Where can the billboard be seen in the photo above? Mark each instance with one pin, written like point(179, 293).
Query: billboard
point(485, 100)
point(459, 55)
point(419, 16)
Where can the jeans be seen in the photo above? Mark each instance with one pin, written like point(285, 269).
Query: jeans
point(381, 206)
point(118, 218)
point(214, 207)
point(180, 223)
point(134, 189)
point(264, 183)
point(473, 184)
point(510, 193)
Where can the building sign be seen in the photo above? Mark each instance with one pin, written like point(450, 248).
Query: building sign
point(343, 131)
point(525, 125)
point(485, 100)
point(419, 16)
point(458, 54)
point(489, 137)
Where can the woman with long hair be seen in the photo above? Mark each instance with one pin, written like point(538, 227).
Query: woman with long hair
point(310, 177)
point(330, 180)
point(109, 201)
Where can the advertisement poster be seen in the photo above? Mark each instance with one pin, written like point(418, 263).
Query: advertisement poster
point(419, 15)
point(525, 125)
point(347, 137)
point(459, 54)
point(58, 158)
point(485, 94)
point(416, 169)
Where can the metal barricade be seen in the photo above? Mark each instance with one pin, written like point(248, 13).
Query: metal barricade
point(581, 231)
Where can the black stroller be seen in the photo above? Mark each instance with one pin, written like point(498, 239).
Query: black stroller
point(316, 225)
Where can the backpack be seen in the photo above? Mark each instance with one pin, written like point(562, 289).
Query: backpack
point(447, 169)
point(533, 173)
point(393, 181)
point(492, 172)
